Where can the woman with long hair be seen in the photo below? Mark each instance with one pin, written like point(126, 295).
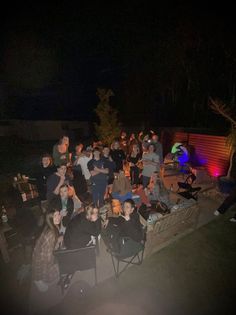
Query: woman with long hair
point(44, 268)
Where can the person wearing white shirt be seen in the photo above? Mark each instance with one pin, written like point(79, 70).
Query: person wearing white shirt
point(82, 161)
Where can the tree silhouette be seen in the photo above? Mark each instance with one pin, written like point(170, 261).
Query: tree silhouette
point(108, 128)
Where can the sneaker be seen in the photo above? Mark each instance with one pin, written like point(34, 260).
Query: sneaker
point(233, 220)
point(216, 213)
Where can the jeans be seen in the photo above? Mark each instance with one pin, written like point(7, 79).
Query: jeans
point(228, 202)
point(98, 192)
point(122, 198)
point(134, 175)
point(146, 181)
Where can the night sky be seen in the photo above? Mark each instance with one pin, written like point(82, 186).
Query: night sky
point(162, 62)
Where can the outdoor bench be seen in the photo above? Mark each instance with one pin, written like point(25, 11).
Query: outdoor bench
point(166, 228)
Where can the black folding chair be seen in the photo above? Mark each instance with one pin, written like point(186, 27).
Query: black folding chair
point(130, 252)
point(188, 191)
point(72, 260)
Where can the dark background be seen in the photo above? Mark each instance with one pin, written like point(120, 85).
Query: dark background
point(162, 61)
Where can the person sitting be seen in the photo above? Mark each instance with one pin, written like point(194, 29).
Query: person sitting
point(56, 180)
point(157, 192)
point(45, 270)
point(126, 225)
point(65, 204)
point(61, 151)
point(121, 188)
point(83, 229)
point(158, 147)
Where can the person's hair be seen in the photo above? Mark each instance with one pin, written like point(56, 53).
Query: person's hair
point(151, 144)
point(131, 202)
point(89, 210)
point(64, 135)
point(49, 225)
point(63, 186)
point(96, 149)
point(62, 164)
point(47, 155)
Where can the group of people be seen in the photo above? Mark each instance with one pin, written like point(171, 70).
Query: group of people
point(74, 187)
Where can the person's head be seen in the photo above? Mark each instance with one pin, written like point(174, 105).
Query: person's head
point(128, 206)
point(116, 145)
point(121, 173)
point(106, 150)
point(132, 136)
point(91, 213)
point(135, 148)
point(53, 220)
point(46, 160)
point(65, 140)
point(155, 137)
point(61, 169)
point(79, 148)
point(64, 191)
point(96, 153)
point(151, 148)
point(123, 134)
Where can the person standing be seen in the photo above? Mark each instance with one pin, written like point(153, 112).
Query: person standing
point(134, 159)
point(151, 164)
point(99, 177)
point(158, 147)
point(110, 164)
point(118, 156)
point(61, 153)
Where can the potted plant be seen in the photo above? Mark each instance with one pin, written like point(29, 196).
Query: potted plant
point(228, 181)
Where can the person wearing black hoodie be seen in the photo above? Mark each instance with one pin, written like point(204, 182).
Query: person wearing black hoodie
point(126, 225)
point(83, 229)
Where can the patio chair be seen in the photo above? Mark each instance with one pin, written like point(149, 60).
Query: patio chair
point(188, 191)
point(72, 260)
point(128, 251)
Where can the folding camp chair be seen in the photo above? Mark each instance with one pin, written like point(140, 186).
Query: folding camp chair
point(188, 191)
point(72, 260)
point(130, 252)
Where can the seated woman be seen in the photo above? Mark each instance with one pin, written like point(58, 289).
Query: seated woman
point(83, 229)
point(126, 225)
point(44, 268)
point(121, 188)
point(157, 192)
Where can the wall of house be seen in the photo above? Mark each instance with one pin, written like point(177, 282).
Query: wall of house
point(212, 151)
